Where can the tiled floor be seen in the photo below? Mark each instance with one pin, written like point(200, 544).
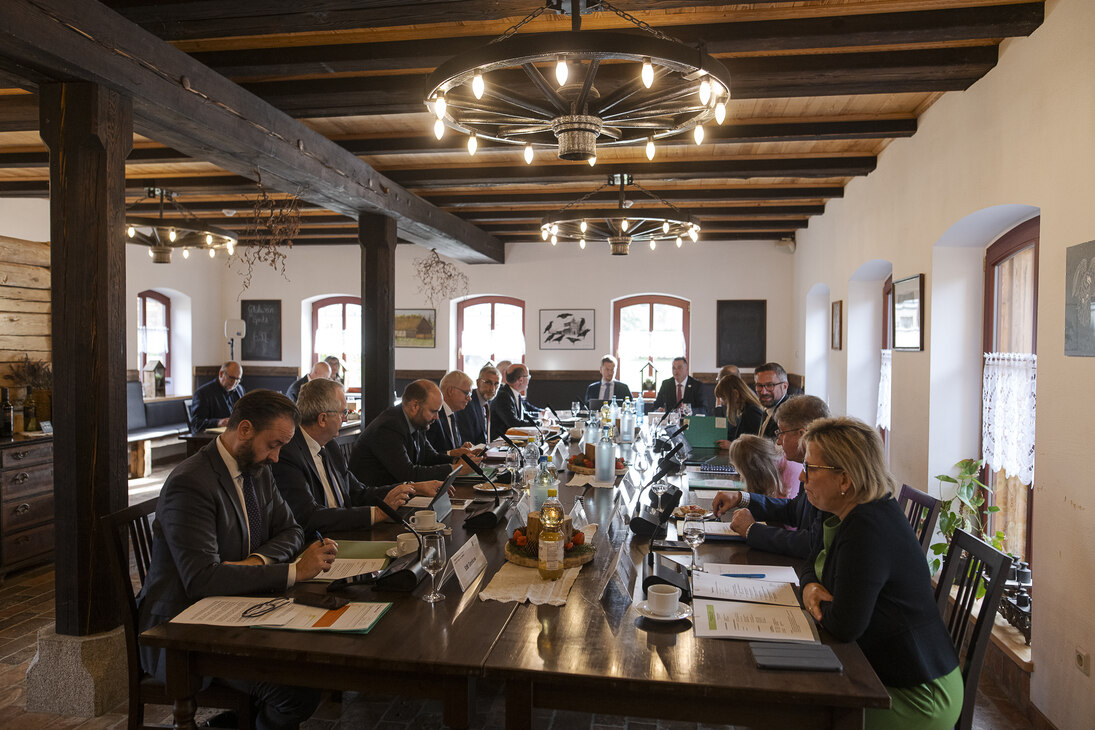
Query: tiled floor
point(26, 604)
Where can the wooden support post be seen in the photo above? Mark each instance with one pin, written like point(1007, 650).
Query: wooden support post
point(377, 236)
point(89, 130)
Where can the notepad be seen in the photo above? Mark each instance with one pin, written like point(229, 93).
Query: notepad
point(801, 657)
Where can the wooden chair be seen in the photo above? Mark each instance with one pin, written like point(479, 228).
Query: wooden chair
point(969, 564)
point(133, 526)
point(186, 408)
point(922, 509)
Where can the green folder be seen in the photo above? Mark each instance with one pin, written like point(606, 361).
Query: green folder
point(704, 431)
point(364, 549)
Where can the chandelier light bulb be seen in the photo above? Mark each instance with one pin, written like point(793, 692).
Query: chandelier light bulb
point(648, 73)
point(593, 160)
point(231, 248)
point(665, 226)
point(131, 232)
point(208, 239)
point(650, 148)
point(212, 253)
point(716, 88)
point(186, 253)
point(653, 244)
point(561, 71)
point(720, 112)
point(543, 233)
point(172, 235)
point(528, 154)
point(477, 86)
point(705, 91)
point(679, 242)
point(473, 144)
point(439, 129)
point(582, 244)
point(439, 107)
point(554, 228)
point(583, 225)
point(150, 254)
point(624, 224)
point(692, 234)
point(554, 240)
point(697, 133)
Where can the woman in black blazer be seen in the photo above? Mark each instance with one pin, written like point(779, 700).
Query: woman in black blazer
point(744, 413)
point(867, 581)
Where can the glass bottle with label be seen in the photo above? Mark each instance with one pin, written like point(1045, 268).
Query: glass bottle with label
point(550, 549)
point(7, 415)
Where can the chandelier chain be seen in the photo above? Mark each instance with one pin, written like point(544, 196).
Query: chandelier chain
point(519, 24)
point(584, 198)
point(660, 199)
point(641, 24)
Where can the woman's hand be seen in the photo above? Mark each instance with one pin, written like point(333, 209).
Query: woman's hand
point(812, 596)
point(723, 502)
point(722, 445)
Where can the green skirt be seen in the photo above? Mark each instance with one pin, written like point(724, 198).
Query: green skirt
point(934, 705)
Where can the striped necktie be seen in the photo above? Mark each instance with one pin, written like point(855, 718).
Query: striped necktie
point(255, 517)
point(331, 479)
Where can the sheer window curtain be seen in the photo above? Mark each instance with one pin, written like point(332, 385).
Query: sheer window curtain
point(1007, 416)
point(882, 416)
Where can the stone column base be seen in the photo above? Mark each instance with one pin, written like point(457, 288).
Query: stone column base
point(83, 676)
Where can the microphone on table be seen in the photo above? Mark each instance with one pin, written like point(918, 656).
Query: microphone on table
point(557, 416)
point(482, 474)
point(488, 516)
point(668, 411)
point(402, 574)
point(662, 442)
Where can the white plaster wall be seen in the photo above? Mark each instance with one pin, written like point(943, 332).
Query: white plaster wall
point(1021, 135)
point(862, 347)
point(26, 218)
point(816, 342)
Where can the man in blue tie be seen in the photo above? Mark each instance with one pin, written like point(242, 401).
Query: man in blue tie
point(445, 434)
point(312, 475)
point(222, 529)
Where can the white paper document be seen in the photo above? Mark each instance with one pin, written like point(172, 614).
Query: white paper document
point(777, 573)
point(752, 621)
point(710, 528)
point(349, 567)
point(713, 585)
point(228, 611)
point(351, 617)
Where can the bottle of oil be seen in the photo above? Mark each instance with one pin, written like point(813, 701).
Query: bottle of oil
point(550, 550)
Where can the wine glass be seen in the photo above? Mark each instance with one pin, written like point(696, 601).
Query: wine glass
point(513, 466)
point(694, 533)
point(575, 408)
point(660, 488)
point(433, 560)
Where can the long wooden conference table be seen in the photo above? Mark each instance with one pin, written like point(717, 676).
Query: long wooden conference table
point(595, 654)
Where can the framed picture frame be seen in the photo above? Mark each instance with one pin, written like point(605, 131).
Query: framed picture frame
point(907, 316)
point(741, 336)
point(567, 329)
point(416, 328)
point(836, 329)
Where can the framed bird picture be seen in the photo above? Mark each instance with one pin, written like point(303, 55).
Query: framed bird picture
point(566, 329)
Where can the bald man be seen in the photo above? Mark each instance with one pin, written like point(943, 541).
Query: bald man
point(393, 447)
point(212, 403)
point(320, 371)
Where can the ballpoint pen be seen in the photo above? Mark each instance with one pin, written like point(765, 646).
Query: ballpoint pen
point(319, 538)
point(743, 575)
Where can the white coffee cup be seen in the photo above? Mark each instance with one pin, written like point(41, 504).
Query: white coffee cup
point(406, 543)
point(424, 519)
point(663, 599)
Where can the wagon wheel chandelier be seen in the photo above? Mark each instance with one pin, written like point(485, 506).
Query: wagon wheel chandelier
point(611, 88)
point(164, 235)
point(620, 226)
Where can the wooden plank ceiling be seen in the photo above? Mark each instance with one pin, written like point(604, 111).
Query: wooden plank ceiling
point(819, 88)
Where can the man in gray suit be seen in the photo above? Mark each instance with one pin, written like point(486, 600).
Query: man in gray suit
point(223, 529)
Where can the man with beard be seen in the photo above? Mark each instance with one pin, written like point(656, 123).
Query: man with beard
point(474, 420)
point(770, 382)
point(223, 529)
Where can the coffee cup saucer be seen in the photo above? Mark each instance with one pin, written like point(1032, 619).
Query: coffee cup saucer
point(436, 528)
point(683, 611)
point(394, 552)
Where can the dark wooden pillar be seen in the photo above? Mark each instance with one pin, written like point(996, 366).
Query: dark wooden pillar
point(89, 130)
point(377, 234)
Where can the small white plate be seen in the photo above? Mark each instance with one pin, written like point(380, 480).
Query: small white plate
point(394, 552)
point(683, 612)
point(436, 528)
point(484, 487)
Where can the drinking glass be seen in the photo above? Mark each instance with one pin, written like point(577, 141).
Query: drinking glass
point(433, 560)
point(575, 408)
point(694, 533)
point(660, 488)
point(513, 466)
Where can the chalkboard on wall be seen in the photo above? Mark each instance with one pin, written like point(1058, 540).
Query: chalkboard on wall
point(263, 338)
point(742, 332)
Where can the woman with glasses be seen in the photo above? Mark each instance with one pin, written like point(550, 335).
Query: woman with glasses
point(744, 414)
point(764, 467)
point(868, 582)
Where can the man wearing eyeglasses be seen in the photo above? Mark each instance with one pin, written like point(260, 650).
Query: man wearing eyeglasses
point(474, 420)
point(770, 382)
point(312, 474)
point(507, 410)
point(212, 403)
point(445, 434)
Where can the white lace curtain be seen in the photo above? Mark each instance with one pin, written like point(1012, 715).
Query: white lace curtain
point(882, 417)
point(1007, 416)
point(152, 340)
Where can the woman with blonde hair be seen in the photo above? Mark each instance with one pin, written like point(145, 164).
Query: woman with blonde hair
point(867, 580)
point(744, 413)
point(764, 467)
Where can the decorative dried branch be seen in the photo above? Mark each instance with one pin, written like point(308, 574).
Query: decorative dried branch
point(274, 224)
point(439, 280)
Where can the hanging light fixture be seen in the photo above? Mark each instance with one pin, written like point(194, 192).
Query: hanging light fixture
point(620, 226)
point(163, 235)
point(610, 88)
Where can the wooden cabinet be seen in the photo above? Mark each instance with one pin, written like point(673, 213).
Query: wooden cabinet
point(26, 503)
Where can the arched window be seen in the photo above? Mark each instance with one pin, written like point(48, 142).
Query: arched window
point(336, 330)
point(489, 329)
point(650, 330)
point(154, 330)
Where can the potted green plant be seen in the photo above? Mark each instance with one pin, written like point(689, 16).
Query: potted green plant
point(965, 510)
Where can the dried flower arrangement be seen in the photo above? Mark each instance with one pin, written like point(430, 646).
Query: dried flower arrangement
point(274, 224)
point(439, 280)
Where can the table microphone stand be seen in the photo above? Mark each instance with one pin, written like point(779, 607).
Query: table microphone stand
point(489, 516)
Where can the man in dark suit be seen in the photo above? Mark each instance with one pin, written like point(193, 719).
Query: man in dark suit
point(445, 434)
point(681, 388)
point(393, 447)
point(770, 382)
point(312, 475)
point(507, 410)
point(321, 370)
point(608, 387)
point(474, 421)
point(222, 529)
point(212, 403)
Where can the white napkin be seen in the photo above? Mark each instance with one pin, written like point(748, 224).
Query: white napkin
point(516, 583)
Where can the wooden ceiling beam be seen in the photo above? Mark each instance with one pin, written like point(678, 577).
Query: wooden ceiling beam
point(19, 113)
point(494, 197)
point(185, 105)
point(721, 212)
point(747, 37)
point(803, 167)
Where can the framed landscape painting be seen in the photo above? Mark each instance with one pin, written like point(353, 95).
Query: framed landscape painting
point(416, 328)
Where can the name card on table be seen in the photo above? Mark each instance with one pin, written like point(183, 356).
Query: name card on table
point(468, 562)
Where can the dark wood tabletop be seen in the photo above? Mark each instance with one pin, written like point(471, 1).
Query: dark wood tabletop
point(595, 654)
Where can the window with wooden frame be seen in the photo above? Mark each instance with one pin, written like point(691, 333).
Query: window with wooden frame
point(488, 329)
point(648, 331)
point(154, 330)
point(1011, 325)
point(336, 330)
